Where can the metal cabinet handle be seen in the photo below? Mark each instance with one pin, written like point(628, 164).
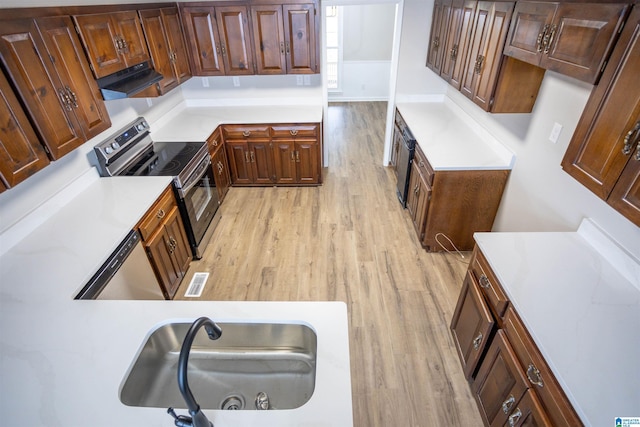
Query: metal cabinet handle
point(246, 157)
point(224, 49)
point(436, 42)
point(629, 140)
point(293, 132)
point(484, 282)
point(73, 99)
point(160, 214)
point(64, 97)
point(515, 417)
point(539, 45)
point(454, 52)
point(287, 48)
point(477, 341)
point(214, 142)
point(507, 404)
point(293, 156)
point(246, 133)
point(548, 38)
point(533, 374)
point(478, 65)
point(217, 49)
point(282, 48)
point(297, 156)
point(253, 157)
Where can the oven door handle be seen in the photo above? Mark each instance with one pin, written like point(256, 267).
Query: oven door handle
point(195, 177)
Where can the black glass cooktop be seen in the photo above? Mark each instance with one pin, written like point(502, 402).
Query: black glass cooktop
point(165, 159)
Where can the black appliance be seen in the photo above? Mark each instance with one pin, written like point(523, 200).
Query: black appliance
point(405, 156)
point(132, 152)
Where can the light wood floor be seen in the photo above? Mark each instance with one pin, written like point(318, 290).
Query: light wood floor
point(350, 240)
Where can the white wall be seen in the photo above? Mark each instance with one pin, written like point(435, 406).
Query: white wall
point(539, 196)
point(367, 47)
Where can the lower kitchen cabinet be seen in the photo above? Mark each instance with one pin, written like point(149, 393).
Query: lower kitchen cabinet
point(165, 242)
point(455, 203)
point(510, 379)
point(286, 154)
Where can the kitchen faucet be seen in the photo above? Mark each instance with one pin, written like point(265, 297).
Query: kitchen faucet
point(198, 418)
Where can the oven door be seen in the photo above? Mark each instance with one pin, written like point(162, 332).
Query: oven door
point(198, 202)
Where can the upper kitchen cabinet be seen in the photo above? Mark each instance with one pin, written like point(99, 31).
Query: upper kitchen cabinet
point(113, 41)
point(570, 38)
point(457, 41)
point(466, 49)
point(21, 154)
point(44, 60)
point(163, 32)
point(285, 38)
point(604, 152)
point(219, 41)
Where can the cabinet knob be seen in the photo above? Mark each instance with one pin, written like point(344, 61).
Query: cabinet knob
point(507, 404)
point(515, 417)
point(477, 341)
point(533, 374)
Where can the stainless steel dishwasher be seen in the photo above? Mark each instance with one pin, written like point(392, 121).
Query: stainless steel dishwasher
point(126, 275)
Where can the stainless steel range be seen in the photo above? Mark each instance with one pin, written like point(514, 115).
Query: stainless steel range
point(132, 152)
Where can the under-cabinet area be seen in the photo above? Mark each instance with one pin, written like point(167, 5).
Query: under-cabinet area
point(534, 335)
point(456, 177)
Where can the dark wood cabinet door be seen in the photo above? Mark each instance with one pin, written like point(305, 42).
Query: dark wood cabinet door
point(530, 22)
point(157, 248)
point(488, 60)
point(471, 325)
point(77, 82)
point(203, 41)
point(30, 69)
point(129, 28)
point(581, 39)
point(101, 40)
point(235, 41)
point(608, 133)
point(21, 154)
point(307, 161)
point(261, 162)
point(158, 42)
point(500, 382)
point(284, 161)
point(220, 167)
point(439, 31)
point(177, 45)
point(457, 41)
point(268, 39)
point(300, 38)
point(239, 162)
point(625, 197)
point(179, 248)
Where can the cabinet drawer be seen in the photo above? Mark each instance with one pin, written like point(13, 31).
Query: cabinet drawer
point(154, 216)
point(539, 375)
point(297, 130)
point(423, 165)
point(214, 141)
point(245, 131)
point(488, 283)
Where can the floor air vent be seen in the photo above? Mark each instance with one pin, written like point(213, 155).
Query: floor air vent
point(197, 285)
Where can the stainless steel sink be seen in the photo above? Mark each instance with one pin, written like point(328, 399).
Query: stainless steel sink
point(228, 373)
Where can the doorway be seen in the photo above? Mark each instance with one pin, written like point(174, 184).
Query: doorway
point(360, 45)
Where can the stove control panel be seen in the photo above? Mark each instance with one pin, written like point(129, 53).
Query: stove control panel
point(128, 140)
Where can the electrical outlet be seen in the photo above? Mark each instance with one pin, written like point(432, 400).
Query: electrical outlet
point(307, 80)
point(236, 81)
point(555, 132)
point(299, 80)
point(205, 82)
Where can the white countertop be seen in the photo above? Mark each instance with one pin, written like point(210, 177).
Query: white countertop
point(195, 121)
point(448, 141)
point(62, 361)
point(582, 311)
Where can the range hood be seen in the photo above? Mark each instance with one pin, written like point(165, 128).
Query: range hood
point(128, 82)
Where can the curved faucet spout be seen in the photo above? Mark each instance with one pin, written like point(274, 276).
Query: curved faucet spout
point(214, 331)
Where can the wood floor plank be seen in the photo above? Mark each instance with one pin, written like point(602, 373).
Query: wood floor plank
point(350, 240)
